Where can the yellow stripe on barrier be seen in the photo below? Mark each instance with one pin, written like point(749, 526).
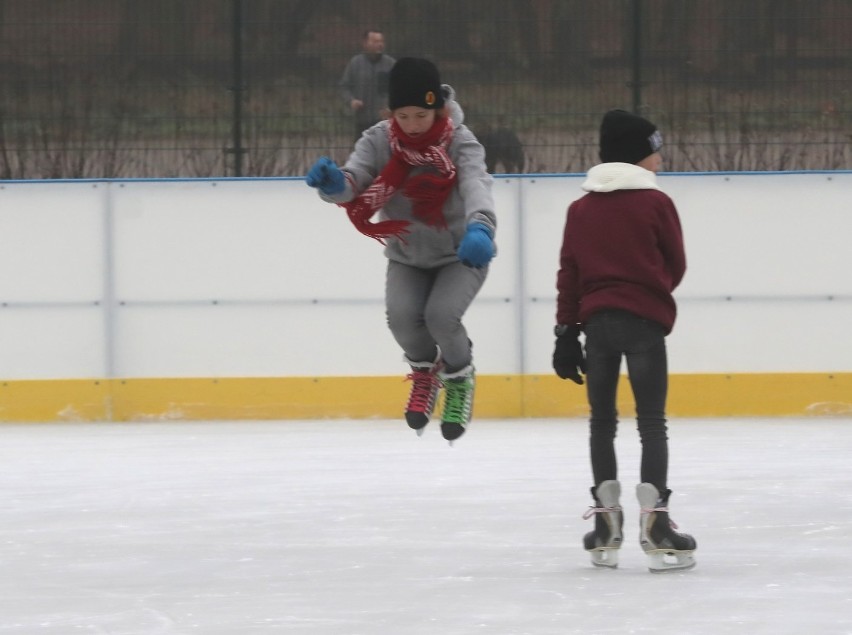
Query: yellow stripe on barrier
point(497, 396)
point(54, 400)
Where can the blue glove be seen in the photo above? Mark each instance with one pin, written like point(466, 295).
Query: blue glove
point(326, 176)
point(476, 248)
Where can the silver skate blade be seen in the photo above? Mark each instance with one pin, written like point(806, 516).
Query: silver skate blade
point(420, 431)
point(663, 561)
point(605, 557)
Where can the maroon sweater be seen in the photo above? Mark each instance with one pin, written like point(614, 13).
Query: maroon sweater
point(621, 250)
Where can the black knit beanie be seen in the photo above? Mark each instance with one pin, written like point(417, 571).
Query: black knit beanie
point(415, 81)
point(627, 138)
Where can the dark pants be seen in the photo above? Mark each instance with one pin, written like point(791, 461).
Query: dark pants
point(610, 335)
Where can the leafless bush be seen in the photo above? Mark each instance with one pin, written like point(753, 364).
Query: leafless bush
point(171, 130)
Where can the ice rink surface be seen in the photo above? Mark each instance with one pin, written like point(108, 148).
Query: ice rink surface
point(362, 528)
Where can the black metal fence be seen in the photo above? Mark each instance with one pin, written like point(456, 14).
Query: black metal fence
point(210, 88)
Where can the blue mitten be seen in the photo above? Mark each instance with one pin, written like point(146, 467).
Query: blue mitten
point(476, 248)
point(326, 176)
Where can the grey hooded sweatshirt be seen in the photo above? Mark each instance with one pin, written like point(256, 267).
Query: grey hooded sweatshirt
point(469, 201)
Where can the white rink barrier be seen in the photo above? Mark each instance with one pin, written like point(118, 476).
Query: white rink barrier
point(240, 278)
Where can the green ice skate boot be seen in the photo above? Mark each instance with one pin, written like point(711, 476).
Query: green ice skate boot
point(458, 403)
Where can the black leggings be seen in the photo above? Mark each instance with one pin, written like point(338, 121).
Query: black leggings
point(610, 335)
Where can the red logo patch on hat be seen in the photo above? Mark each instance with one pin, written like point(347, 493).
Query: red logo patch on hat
point(429, 98)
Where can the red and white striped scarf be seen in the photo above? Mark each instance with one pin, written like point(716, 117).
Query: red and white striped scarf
point(427, 191)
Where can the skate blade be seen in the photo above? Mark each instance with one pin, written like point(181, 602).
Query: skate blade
point(662, 560)
point(420, 431)
point(606, 557)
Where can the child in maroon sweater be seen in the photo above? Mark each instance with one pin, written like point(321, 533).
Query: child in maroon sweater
point(622, 256)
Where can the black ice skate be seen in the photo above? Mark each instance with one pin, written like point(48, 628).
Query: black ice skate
point(605, 540)
point(424, 393)
point(667, 549)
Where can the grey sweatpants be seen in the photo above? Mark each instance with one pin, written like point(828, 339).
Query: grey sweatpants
point(425, 309)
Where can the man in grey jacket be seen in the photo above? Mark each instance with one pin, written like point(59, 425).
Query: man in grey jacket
point(364, 84)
